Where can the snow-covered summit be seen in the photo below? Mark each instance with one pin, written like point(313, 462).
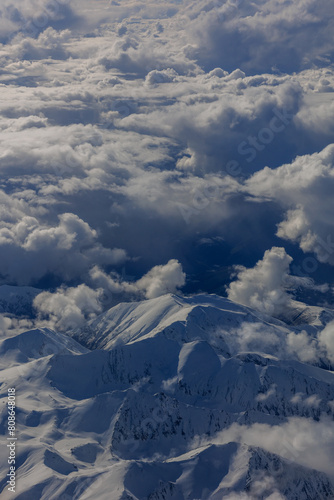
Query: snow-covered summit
point(180, 318)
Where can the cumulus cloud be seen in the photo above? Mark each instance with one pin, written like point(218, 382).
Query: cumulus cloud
point(303, 189)
point(49, 44)
point(269, 288)
point(29, 250)
point(155, 77)
point(34, 16)
point(263, 287)
point(262, 36)
point(226, 121)
point(162, 279)
point(68, 308)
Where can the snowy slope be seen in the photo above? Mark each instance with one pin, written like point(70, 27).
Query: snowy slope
point(302, 314)
point(39, 343)
point(178, 317)
point(142, 413)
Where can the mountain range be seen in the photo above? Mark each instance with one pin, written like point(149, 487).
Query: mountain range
point(172, 398)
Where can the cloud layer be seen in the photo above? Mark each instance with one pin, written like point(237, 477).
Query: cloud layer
point(136, 134)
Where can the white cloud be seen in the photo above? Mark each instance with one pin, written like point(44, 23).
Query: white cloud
point(30, 249)
point(305, 184)
point(5, 324)
point(162, 279)
point(258, 337)
point(261, 37)
point(49, 44)
point(264, 396)
point(266, 287)
point(68, 308)
point(253, 495)
point(301, 440)
point(302, 346)
point(155, 77)
point(263, 286)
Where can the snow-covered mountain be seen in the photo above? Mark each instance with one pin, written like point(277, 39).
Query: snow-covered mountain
point(202, 317)
point(307, 316)
point(170, 398)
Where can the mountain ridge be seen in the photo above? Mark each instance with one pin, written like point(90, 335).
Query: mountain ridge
point(161, 387)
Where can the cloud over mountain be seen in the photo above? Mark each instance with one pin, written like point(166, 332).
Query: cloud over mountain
point(263, 287)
